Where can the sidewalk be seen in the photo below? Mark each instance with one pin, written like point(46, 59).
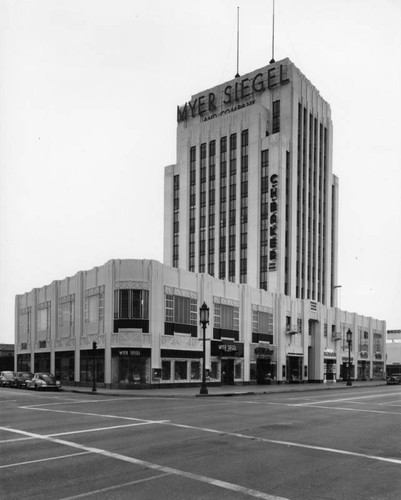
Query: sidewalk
point(222, 391)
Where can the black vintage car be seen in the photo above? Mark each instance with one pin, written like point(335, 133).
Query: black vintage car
point(21, 379)
point(394, 379)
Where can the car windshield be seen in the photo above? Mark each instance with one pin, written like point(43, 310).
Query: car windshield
point(26, 375)
point(48, 378)
point(8, 375)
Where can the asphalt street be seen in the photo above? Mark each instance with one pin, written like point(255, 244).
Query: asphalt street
point(333, 444)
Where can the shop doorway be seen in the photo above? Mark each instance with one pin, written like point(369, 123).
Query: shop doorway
point(294, 369)
point(263, 371)
point(227, 371)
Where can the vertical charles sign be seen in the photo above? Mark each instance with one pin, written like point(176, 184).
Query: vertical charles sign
point(273, 223)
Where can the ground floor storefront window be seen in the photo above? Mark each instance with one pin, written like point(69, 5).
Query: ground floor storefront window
point(378, 370)
point(90, 365)
point(363, 370)
point(65, 363)
point(24, 363)
point(330, 369)
point(131, 366)
point(344, 370)
point(181, 370)
point(215, 373)
point(185, 366)
point(42, 362)
point(263, 365)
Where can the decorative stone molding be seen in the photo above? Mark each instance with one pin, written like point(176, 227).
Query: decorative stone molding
point(65, 343)
point(264, 309)
point(169, 290)
point(131, 285)
point(67, 298)
point(97, 290)
point(87, 341)
point(180, 341)
point(131, 338)
point(44, 305)
point(43, 344)
point(226, 302)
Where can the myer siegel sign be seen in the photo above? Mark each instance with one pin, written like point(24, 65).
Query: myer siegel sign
point(233, 95)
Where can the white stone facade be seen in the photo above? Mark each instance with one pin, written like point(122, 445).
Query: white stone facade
point(143, 339)
point(275, 230)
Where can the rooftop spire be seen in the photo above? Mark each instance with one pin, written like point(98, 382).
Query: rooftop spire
point(272, 59)
point(237, 75)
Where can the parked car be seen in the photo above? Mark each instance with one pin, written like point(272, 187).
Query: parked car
point(21, 378)
point(43, 380)
point(7, 378)
point(394, 379)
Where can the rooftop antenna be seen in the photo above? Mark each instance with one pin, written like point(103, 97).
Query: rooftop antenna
point(272, 59)
point(237, 75)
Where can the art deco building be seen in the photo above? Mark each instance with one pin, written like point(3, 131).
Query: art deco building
point(252, 198)
point(250, 229)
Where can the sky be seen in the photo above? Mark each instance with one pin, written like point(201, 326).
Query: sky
point(88, 98)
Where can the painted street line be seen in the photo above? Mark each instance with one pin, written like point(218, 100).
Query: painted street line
point(100, 415)
point(143, 463)
point(14, 440)
point(98, 429)
point(116, 487)
point(290, 443)
point(357, 409)
point(389, 403)
point(345, 399)
point(44, 459)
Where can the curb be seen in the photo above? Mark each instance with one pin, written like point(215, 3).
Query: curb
point(139, 394)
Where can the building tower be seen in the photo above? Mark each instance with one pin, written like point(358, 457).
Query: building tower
point(252, 198)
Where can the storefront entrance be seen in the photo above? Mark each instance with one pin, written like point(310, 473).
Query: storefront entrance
point(294, 368)
point(227, 371)
point(263, 371)
point(130, 366)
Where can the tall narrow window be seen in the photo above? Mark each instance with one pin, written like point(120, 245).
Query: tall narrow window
point(176, 226)
point(212, 197)
point(232, 213)
point(192, 207)
point(223, 207)
point(202, 209)
point(244, 207)
point(276, 117)
point(264, 220)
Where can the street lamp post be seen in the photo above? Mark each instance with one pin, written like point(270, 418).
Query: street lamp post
point(349, 340)
point(204, 320)
point(94, 347)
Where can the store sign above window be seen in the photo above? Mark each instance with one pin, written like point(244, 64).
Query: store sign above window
point(129, 352)
point(228, 348)
point(263, 351)
point(233, 95)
